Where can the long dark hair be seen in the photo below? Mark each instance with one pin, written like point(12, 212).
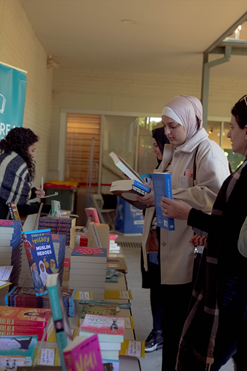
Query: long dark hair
point(19, 140)
point(239, 111)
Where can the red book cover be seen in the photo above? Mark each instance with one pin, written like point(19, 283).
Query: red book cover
point(24, 316)
point(22, 329)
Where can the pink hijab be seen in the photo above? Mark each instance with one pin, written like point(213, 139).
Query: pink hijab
point(187, 111)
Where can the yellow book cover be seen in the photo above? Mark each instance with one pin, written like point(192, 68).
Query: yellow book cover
point(118, 294)
point(133, 348)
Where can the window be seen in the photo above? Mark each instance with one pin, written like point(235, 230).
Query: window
point(81, 129)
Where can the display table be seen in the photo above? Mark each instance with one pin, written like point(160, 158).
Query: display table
point(126, 363)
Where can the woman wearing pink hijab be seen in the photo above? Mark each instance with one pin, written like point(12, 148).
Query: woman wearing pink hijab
point(198, 168)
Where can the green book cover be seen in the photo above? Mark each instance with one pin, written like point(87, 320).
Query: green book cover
point(60, 319)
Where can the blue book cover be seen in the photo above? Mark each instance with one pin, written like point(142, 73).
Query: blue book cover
point(60, 319)
point(162, 185)
point(41, 257)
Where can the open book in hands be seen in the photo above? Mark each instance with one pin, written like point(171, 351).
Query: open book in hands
point(129, 189)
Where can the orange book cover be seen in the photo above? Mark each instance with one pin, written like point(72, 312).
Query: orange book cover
point(23, 316)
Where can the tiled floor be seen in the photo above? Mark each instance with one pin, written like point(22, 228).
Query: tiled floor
point(141, 310)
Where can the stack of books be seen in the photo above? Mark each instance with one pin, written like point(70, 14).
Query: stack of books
point(17, 351)
point(26, 298)
point(10, 249)
point(113, 246)
point(110, 332)
point(61, 226)
point(88, 270)
point(23, 321)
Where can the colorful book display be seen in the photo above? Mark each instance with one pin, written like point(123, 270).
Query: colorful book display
point(61, 226)
point(41, 257)
point(83, 354)
point(16, 351)
point(23, 321)
point(26, 297)
point(61, 323)
point(162, 185)
point(10, 251)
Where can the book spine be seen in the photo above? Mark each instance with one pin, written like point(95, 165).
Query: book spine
point(57, 315)
point(19, 322)
point(68, 359)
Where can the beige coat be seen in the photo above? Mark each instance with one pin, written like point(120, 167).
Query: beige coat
point(176, 253)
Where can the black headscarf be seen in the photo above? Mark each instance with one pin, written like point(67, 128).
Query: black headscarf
point(159, 135)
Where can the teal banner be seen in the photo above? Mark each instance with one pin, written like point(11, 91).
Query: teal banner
point(12, 98)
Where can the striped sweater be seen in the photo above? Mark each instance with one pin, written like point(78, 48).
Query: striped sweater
point(15, 185)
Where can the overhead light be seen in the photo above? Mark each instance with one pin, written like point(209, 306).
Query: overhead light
point(51, 62)
point(128, 21)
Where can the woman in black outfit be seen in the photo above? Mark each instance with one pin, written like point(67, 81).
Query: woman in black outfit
point(17, 171)
point(151, 278)
point(215, 329)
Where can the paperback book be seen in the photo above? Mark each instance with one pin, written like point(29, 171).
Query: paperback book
point(60, 319)
point(83, 354)
point(17, 351)
point(108, 328)
point(41, 257)
point(125, 167)
point(162, 185)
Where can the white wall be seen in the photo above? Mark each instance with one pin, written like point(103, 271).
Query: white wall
point(20, 48)
point(131, 93)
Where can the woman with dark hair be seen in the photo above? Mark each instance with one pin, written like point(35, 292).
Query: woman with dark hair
point(17, 171)
point(213, 330)
point(151, 278)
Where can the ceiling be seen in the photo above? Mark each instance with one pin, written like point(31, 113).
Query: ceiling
point(168, 37)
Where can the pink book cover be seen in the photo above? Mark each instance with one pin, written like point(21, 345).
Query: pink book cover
point(92, 215)
point(103, 325)
point(85, 356)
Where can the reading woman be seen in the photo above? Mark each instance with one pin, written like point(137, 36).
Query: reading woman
point(198, 167)
point(17, 171)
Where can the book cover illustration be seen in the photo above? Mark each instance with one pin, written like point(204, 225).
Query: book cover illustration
point(24, 316)
point(162, 185)
point(83, 354)
point(103, 325)
point(56, 209)
point(41, 257)
point(100, 310)
point(18, 346)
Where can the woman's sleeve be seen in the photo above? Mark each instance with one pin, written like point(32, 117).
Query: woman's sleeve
point(202, 221)
point(211, 173)
point(28, 209)
point(242, 240)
